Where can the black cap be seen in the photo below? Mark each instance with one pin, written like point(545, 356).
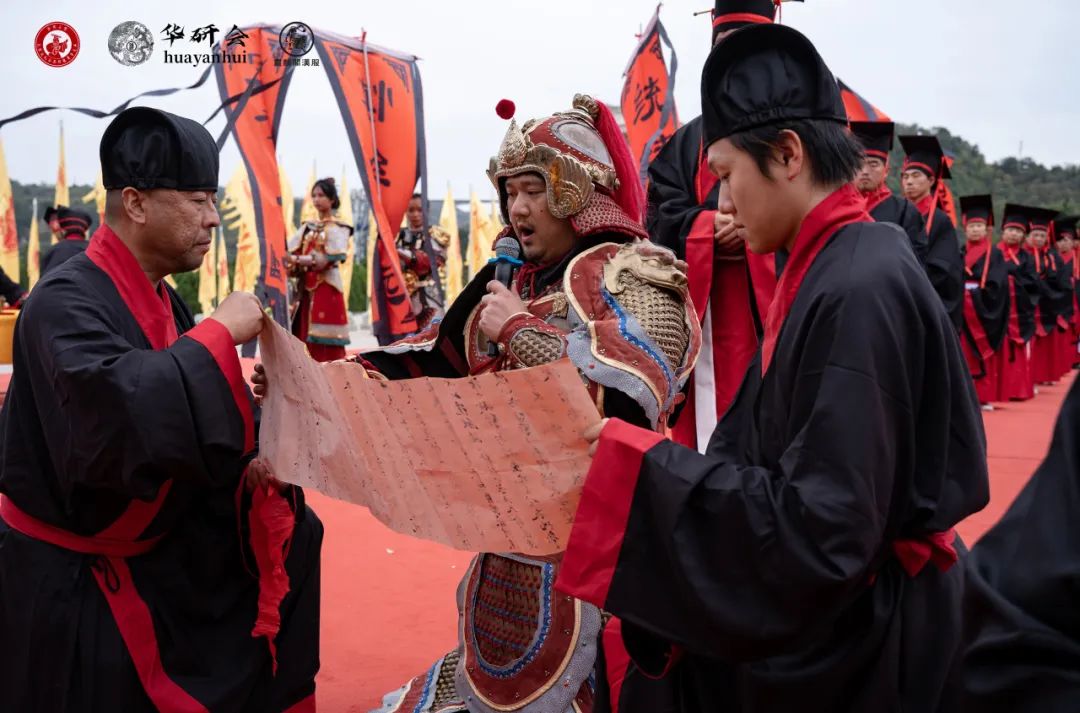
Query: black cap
point(925, 154)
point(1040, 218)
point(51, 212)
point(147, 148)
point(876, 137)
point(73, 220)
point(979, 207)
point(733, 14)
point(1015, 216)
point(762, 75)
point(1065, 226)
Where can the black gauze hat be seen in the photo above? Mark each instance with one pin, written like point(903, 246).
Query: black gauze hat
point(147, 148)
point(73, 220)
point(980, 207)
point(762, 75)
point(1015, 217)
point(876, 137)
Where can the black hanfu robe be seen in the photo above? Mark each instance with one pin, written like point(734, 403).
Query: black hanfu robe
point(1022, 622)
point(62, 252)
point(884, 207)
point(804, 562)
point(944, 261)
point(135, 572)
point(986, 307)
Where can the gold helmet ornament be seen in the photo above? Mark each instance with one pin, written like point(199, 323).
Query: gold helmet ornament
point(582, 156)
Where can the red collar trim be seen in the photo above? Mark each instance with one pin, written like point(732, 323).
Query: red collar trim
point(152, 310)
point(1011, 253)
point(924, 205)
point(842, 208)
point(875, 198)
point(975, 252)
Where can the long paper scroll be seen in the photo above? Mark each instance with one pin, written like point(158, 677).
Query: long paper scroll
point(490, 463)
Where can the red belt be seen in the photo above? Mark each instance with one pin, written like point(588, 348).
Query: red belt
point(113, 576)
point(105, 546)
point(936, 547)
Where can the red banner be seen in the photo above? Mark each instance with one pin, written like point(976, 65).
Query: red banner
point(648, 101)
point(381, 102)
point(254, 120)
point(858, 109)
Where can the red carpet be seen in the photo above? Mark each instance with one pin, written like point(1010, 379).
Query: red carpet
point(388, 601)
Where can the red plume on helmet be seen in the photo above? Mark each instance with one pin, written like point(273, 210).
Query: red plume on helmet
point(505, 109)
point(629, 194)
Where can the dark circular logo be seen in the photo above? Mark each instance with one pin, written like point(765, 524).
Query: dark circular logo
point(131, 43)
point(57, 44)
point(296, 39)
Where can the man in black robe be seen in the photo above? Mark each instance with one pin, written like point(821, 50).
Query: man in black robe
point(876, 138)
point(924, 169)
point(731, 287)
point(136, 574)
point(986, 297)
point(1022, 622)
point(804, 563)
point(74, 224)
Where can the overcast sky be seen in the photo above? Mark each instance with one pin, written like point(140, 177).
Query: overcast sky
point(993, 71)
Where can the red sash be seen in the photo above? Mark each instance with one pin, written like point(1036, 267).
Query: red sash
point(981, 348)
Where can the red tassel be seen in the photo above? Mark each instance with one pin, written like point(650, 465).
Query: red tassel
point(505, 109)
point(629, 195)
point(272, 522)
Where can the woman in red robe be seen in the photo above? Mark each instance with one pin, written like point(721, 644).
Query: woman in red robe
point(320, 317)
point(1015, 382)
point(986, 299)
point(1065, 232)
point(1048, 267)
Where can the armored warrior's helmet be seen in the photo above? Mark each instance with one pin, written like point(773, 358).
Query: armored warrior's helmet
point(583, 158)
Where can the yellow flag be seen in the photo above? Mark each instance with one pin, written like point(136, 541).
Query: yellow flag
point(222, 267)
point(9, 237)
point(97, 195)
point(208, 279)
point(238, 213)
point(481, 234)
point(345, 215)
point(307, 208)
point(454, 266)
point(62, 195)
point(33, 250)
point(372, 238)
point(171, 282)
point(288, 206)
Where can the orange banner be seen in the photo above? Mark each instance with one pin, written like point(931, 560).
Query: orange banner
point(648, 101)
point(254, 120)
point(380, 97)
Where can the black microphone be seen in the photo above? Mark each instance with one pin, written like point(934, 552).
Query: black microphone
point(507, 260)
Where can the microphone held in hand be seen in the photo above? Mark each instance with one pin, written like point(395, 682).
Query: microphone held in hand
point(507, 260)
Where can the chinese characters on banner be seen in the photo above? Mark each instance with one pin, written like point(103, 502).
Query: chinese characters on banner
point(648, 102)
point(379, 94)
point(255, 118)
